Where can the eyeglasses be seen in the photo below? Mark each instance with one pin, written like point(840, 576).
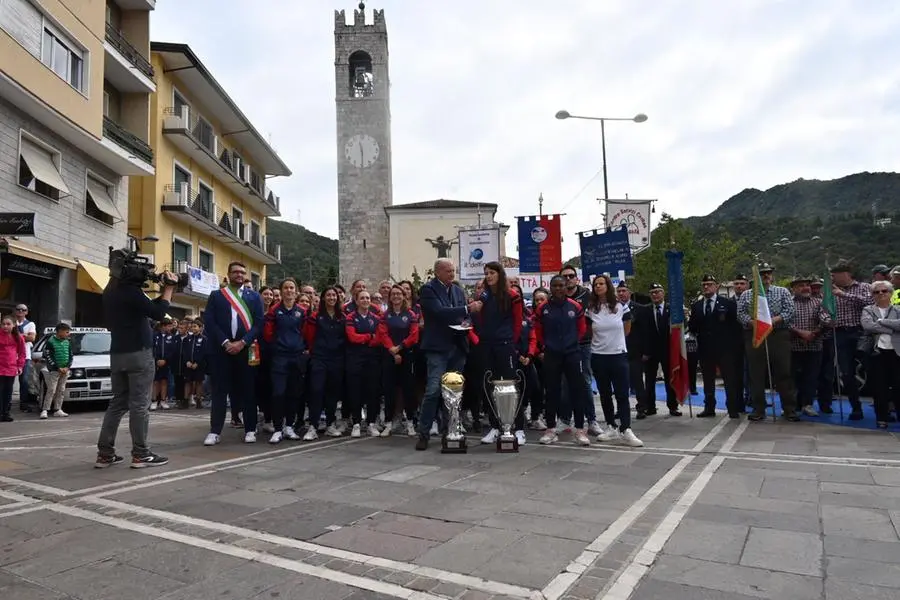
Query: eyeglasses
point(570, 276)
point(21, 310)
point(881, 292)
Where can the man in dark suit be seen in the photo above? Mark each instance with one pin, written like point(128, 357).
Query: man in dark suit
point(714, 322)
point(633, 343)
point(655, 351)
point(233, 321)
point(443, 304)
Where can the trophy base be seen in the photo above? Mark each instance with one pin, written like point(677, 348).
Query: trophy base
point(507, 445)
point(453, 446)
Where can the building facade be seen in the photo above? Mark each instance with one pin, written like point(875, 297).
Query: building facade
point(362, 97)
point(422, 232)
point(75, 85)
point(208, 201)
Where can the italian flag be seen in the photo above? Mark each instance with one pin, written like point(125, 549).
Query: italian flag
point(759, 311)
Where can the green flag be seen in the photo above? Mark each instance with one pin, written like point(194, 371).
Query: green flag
point(828, 301)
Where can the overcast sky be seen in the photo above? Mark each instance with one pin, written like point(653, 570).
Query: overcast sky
point(741, 93)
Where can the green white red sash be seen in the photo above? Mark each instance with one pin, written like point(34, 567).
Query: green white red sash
point(239, 306)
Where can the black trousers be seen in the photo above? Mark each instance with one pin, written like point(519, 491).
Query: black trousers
point(473, 391)
point(501, 361)
point(326, 385)
point(885, 370)
point(651, 366)
point(721, 361)
point(557, 366)
point(399, 378)
point(636, 378)
point(288, 383)
point(6, 390)
point(693, 359)
point(534, 387)
point(806, 367)
point(232, 379)
point(363, 384)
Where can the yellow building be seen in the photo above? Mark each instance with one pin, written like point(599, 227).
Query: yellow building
point(208, 202)
point(75, 85)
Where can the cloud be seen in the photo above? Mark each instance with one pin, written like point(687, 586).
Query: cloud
point(748, 93)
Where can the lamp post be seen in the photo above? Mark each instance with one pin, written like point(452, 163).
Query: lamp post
point(788, 244)
point(638, 118)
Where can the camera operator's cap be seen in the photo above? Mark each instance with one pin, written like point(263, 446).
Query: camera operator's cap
point(881, 270)
point(21, 307)
point(766, 268)
point(741, 277)
point(708, 278)
point(655, 287)
point(801, 279)
point(841, 266)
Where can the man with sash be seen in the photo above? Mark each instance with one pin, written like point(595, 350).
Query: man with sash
point(233, 321)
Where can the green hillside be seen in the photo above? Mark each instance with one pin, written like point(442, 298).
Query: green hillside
point(298, 244)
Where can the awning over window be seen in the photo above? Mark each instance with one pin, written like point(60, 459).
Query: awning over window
point(102, 200)
point(40, 163)
point(17, 248)
point(92, 277)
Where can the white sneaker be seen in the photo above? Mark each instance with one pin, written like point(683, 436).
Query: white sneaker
point(341, 426)
point(373, 430)
point(356, 431)
point(434, 429)
point(581, 438)
point(60, 413)
point(211, 439)
point(610, 435)
point(520, 437)
point(491, 437)
point(43, 414)
point(164, 405)
point(549, 436)
point(268, 427)
point(153, 406)
point(539, 424)
point(387, 432)
point(275, 439)
point(809, 411)
point(629, 439)
point(333, 431)
point(311, 434)
point(411, 429)
point(596, 429)
point(250, 437)
point(563, 427)
point(289, 433)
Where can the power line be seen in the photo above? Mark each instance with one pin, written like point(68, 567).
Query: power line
point(581, 191)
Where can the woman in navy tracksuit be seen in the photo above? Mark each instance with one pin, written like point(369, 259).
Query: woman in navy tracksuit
point(363, 365)
point(288, 362)
point(398, 332)
point(326, 336)
point(499, 328)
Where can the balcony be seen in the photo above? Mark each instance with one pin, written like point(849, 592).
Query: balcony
point(125, 67)
point(187, 206)
point(133, 150)
point(200, 283)
point(195, 136)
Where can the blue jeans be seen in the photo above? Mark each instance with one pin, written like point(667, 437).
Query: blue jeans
point(437, 363)
point(565, 406)
point(612, 370)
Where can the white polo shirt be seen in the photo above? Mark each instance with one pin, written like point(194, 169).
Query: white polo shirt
point(29, 328)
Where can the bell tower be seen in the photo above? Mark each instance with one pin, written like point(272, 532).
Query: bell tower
point(362, 97)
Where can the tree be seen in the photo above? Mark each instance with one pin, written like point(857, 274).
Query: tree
point(328, 279)
point(651, 265)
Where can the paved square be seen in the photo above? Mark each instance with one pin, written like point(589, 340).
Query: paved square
point(708, 509)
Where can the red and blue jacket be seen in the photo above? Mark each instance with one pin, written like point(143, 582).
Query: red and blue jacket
point(559, 325)
point(362, 333)
point(399, 329)
point(498, 326)
point(528, 339)
point(326, 336)
point(283, 329)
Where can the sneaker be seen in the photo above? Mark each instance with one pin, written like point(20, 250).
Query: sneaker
point(43, 414)
point(373, 430)
point(629, 439)
point(164, 405)
point(311, 434)
point(6, 419)
point(386, 432)
point(275, 439)
point(610, 435)
point(151, 460)
point(290, 434)
point(539, 424)
point(520, 437)
point(268, 427)
point(581, 438)
point(212, 439)
point(333, 431)
point(153, 406)
point(809, 411)
point(341, 426)
point(549, 437)
point(563, 427)
point(250, 437)
point(60, 413)
point(434, 429)
point(104, 462)
point(411, 429)
point(596, 428)
point(491, 437)
point(356, 431)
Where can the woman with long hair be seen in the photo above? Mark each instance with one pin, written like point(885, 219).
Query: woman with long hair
point(363, 366)
point(12, 361)
point(499, 329)
point(326, 337)
point(288, 363)
point(263, 383)
point(610, 324)
point(398, 332)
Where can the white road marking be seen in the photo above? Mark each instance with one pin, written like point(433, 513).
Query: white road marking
point(35, 448)
point(838, 460)
point(703, 443)
point(491, 587)
point(380, 587)
point(734, 437)
point(859, 465)
point(34, 507)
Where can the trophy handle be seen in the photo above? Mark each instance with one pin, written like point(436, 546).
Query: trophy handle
point(488, 396)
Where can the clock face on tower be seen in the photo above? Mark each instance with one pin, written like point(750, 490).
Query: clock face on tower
point(361, 151)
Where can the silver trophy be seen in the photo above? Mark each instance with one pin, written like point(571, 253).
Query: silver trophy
point(454, 441)
point(507, 402)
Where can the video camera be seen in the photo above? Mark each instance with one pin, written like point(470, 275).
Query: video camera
point(127, 265)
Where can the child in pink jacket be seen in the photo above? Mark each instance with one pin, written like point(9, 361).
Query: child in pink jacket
point(12, 361)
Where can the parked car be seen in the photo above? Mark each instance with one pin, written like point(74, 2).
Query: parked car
point(89, 375)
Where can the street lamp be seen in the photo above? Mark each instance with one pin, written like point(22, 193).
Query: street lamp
point(638, 118)
point(788, 244)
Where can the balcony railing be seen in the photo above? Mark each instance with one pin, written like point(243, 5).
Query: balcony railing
point(127, 140)
point(131, 54)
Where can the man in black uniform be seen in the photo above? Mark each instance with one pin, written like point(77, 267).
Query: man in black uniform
point(654, 327)
point(633, 343)
point(714, 321)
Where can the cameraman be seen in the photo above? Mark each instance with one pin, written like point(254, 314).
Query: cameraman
point(128, 311)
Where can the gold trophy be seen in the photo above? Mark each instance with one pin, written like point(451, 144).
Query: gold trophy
point(454, 441)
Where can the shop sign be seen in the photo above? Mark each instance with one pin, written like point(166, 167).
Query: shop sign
point(17, 224)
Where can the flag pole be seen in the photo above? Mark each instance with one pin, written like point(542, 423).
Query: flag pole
point(836, 369)
point(770, 389)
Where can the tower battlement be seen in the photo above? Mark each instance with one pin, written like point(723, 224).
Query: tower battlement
point(359, 21)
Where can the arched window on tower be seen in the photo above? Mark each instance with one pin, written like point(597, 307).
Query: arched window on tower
point(362, 80)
